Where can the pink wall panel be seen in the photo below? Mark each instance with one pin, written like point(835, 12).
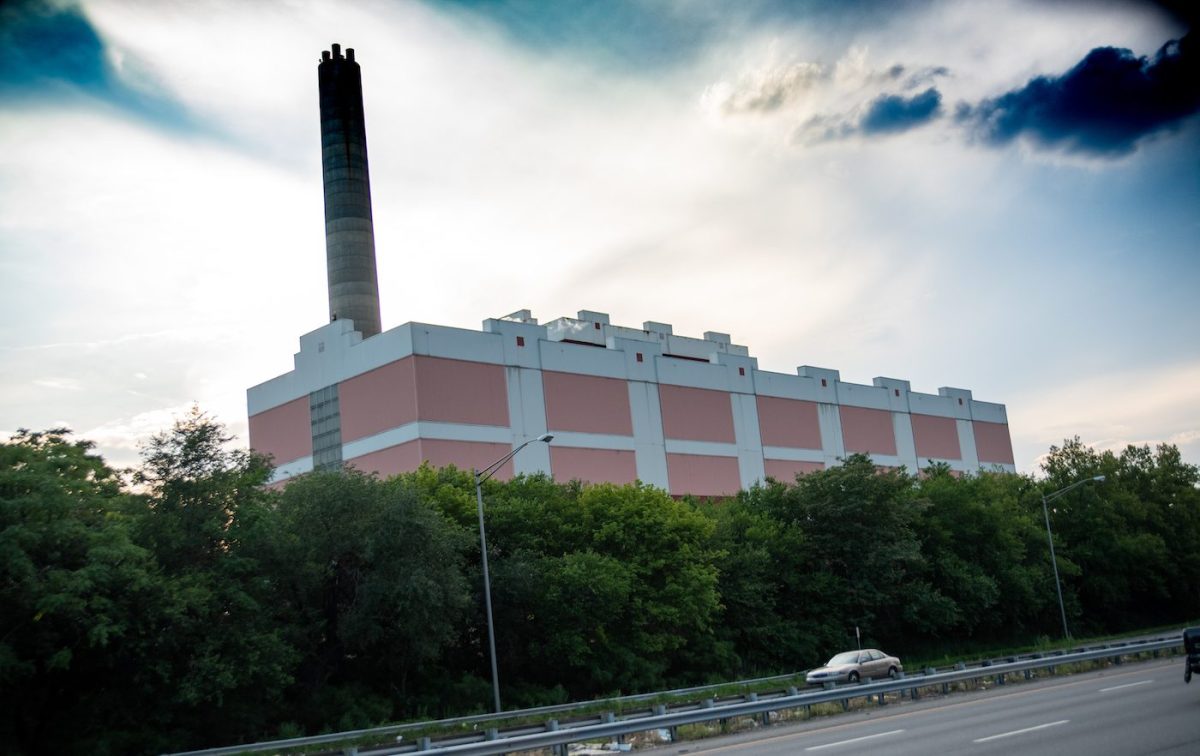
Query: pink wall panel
point(786, 470)
point(936, 437)
point(593, 465)
point(788, 422)
point(456, 391)
point(867, 430)
point(992, 443)
point(283, 432)
point(587, 404)
point(466, 455)
point(703, 475)
point(389, 461)
point(694, 414)
point(383, 398)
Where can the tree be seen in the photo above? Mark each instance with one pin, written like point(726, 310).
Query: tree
point(863, 555)
point(987, 552)
point(1170, 489)
point(1131, 538)
point(759, 562)
point(616, 583)
point(76, 595)
point(222, 661)
point(371, 579)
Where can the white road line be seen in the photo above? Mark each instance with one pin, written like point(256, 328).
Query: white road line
point(1018, 732)
point(1127, 685)
point(854, 740)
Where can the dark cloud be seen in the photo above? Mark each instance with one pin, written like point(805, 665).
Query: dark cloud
point(1103, 106)
point(51, 50)
point(886, 114)
point(890, 114)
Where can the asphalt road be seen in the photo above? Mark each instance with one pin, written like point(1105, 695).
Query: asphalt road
point(1133, 709)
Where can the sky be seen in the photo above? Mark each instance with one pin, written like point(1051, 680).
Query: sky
point(998, 195)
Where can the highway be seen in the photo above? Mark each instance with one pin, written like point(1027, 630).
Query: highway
point(1135, 709)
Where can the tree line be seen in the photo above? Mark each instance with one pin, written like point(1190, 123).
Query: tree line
point(188, 604)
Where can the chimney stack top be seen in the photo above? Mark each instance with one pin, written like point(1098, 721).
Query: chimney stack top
point(335, 54)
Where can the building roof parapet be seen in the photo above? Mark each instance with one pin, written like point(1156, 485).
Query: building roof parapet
point(520, 316)
point(595, 328)
point(337, 351)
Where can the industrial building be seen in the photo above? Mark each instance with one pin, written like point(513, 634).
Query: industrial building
point(690, 415)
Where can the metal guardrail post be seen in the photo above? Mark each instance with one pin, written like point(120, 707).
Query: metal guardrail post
point(423, 744)
point(766, 715)
point(561, 748)
point(661, 710)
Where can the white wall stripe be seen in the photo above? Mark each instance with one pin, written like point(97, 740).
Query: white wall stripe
point(710, 448)
point(575, 439)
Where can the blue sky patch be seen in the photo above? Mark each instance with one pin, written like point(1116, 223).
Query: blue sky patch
point(52, 51)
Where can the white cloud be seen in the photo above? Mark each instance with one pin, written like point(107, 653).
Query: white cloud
point(1111, 411)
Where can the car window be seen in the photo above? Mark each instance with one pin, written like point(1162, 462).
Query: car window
point(876, 656)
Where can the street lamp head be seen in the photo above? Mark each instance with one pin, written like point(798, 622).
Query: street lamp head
point(546, 437)
point(1099, 478)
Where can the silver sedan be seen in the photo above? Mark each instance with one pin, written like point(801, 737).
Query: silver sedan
point(853, 666)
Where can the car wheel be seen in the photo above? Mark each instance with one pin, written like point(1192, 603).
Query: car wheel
point(853, 677)
point(892, 673)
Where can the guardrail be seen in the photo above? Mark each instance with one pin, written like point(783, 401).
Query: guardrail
point(491, 718)
point(563, 736)
point(554, 733)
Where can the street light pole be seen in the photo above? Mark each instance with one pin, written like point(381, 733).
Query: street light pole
point(480, 476)
point(1046, 498)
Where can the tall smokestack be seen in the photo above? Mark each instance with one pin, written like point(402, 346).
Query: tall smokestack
point(349, 230)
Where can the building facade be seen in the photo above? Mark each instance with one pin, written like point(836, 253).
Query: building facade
point(690, 415)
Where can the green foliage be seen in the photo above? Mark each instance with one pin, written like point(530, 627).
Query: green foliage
point(987, 553)
point(74, 594)
point(202, 511)
point(371, 585)
point(198, 606)
point(1131, 540)
point(615, 583)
